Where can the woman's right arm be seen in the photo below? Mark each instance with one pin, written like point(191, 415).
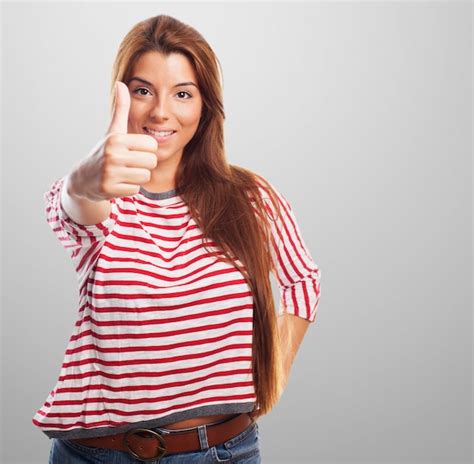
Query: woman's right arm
point(79, 209)
point(117, 166)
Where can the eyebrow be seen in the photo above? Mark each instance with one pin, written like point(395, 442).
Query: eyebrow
point(135, 78)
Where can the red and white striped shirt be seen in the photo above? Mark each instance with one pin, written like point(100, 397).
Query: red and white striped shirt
point(164, 327)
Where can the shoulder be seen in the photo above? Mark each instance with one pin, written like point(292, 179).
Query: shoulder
point(267, 191)
point(273, 201)
point(263, 184)
point(270, 192)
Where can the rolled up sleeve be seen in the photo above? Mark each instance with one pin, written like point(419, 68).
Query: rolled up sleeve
point(82, 242)
point(297, 274)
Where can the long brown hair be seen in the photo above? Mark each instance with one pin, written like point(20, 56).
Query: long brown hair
point(225, 200)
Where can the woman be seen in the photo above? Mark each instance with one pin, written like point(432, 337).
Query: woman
point(177, 349)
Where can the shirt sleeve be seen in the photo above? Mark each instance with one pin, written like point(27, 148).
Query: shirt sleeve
point(82, 242)
point(296, 273)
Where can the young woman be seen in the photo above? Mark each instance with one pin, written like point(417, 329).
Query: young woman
point(177, 349)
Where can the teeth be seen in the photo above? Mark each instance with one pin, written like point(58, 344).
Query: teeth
point(159, 134)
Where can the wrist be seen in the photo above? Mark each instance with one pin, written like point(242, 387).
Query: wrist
point(71, 183)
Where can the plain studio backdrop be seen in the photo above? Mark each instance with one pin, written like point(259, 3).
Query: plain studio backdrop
point(360, 113)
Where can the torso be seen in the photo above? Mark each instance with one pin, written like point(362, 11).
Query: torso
point(198, 421)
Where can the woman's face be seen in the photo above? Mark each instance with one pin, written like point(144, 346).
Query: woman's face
point(169, 99)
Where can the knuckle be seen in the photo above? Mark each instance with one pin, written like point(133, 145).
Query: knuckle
point(107, 175)
point(109, 139)
point(114, 136)
point(114, 140)
point(136, 189)
point(103, 184)
point(110, 159)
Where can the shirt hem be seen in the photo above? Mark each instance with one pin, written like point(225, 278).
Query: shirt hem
point(208, 410)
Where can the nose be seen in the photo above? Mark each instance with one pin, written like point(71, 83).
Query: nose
point(160, 110)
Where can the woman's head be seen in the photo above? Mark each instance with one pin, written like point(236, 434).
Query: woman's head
point(165, 52)
point(164, 95)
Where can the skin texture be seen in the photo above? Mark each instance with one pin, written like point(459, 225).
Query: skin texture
point(161, 104)
point(292, 330)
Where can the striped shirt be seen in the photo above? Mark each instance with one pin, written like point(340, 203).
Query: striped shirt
point(164, 327)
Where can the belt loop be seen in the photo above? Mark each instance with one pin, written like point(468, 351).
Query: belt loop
point(202, 432)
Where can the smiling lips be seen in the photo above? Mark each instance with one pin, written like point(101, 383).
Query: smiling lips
point(160, 136)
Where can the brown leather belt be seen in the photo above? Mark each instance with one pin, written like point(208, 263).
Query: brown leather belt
point(156, 445)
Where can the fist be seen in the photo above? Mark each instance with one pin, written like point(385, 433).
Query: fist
point(121, 162)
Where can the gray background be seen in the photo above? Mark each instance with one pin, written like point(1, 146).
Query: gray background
point(360, 113)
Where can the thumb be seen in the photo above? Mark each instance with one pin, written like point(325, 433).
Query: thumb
point(119, 122)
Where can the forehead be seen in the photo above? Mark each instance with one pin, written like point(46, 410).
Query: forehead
point(157, 66)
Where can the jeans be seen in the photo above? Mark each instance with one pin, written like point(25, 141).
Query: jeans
point(244, 448)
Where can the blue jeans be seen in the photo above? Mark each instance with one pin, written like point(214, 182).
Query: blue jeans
point(244, 448)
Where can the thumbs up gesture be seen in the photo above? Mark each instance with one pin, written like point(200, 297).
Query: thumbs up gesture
point(121, 162)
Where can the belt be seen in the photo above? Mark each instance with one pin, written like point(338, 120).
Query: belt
point(157, 445)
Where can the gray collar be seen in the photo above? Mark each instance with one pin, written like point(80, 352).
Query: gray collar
point(158, 195)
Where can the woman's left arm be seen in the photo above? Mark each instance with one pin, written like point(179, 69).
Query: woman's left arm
point(292, 329)
point(298, 279)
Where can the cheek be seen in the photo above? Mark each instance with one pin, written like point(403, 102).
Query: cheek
point(134, 116)
point(191, 116)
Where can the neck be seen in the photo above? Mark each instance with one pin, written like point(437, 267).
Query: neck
point(163, 176)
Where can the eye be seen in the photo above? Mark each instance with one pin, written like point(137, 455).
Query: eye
point(183, 91)
point(140, 88)
point(136, 91)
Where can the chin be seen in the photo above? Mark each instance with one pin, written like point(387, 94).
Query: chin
point(163, 154)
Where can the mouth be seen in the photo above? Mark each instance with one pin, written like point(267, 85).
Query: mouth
point(160, 136)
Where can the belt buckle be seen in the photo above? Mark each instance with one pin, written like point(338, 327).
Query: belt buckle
point(161, 445)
